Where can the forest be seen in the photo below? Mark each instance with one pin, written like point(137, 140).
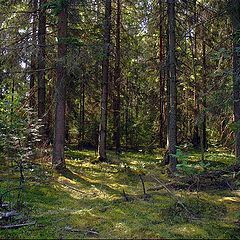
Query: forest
point(120, 119)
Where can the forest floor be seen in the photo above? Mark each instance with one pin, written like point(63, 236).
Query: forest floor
point(107, 200)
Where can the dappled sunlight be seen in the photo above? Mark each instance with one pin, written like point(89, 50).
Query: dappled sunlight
point(237, 193)
point(230, 199)
point(88, 197)
point(121, 229)
point(188, 231)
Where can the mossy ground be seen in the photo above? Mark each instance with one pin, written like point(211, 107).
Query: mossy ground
point(87, 201)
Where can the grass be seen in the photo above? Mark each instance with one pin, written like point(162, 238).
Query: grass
point(87, 201)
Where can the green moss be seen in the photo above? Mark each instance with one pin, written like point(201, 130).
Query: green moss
point(87, 202)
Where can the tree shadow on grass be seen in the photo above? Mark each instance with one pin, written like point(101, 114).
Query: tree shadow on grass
point(67, 173)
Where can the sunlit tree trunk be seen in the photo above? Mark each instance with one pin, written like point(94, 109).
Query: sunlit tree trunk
point(60, 93)
point(104, 99)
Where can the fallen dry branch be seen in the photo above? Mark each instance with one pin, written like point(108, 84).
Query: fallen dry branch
point(191, 216)
point(87, 232)
point(14, 226)
point(73, 188)
point(7, 215)
point(157, 188)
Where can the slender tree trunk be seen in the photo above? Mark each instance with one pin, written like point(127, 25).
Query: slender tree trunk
point(161, 77)
point(60, 93)
point(49, 117)
point(41, 65)
point(196, 136)
point(32, 101)
point(81, 117)
point(117, 81)
point(104, 99)
point(127, 117)
point(67, 121)
point(235, 15)
point(204, 103)
point(172, 87)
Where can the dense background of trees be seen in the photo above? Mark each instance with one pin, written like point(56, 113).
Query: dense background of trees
point(149, 73)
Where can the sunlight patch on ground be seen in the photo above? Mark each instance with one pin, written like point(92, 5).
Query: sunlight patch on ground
point(121, 228)
point(230, 199)
point(188, 230)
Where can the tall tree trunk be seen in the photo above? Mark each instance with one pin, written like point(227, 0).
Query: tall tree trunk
point(81, 131)
point(172, 87)
point(41, 65)
point(49, 117)
point(32, 100)
point(60, 93)
point(204, 103)
point(235, 14)
point(127, 114)
point(196, 136)
point(161, 77)
point(117, 81)
point(104, 100)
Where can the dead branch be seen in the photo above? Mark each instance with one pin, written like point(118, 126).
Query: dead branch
point(7, 215)
point(143, 185)
point(174, 197)
point(125, 196)
point(14, 226)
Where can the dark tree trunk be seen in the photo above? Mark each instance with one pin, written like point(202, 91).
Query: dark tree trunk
point(41, 65)
point(104, 99)
point(172, 87)
point(117, 81)
point(235, 14)
point(162, 140)
point(32, 101)
point(127, 114)
point(60, 93)
point(49, 117)
point(196, 139)
point(204, 103)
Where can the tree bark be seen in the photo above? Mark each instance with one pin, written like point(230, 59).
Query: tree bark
point(81, 131)
point(196, 140)
point(235, 15)
point(172, 87)
point(162, 140)
point(117, 81)
point(60, 93)
point(41, 66)
point(32, 100)
point(204, 103)
point(104, 99)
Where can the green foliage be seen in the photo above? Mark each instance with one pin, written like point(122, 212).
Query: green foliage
point(192, 168)
point(188, 167)
point(56, 6)
point(19, 128)
point(235, 126)
point(71, 41)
